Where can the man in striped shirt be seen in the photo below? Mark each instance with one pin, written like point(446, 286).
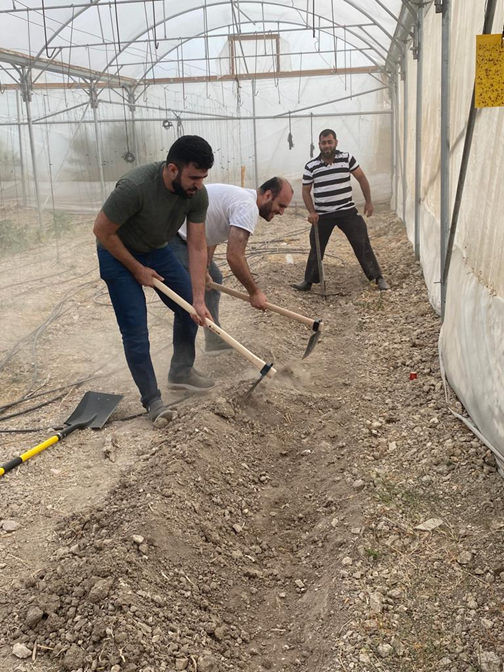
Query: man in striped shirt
point(332, 205)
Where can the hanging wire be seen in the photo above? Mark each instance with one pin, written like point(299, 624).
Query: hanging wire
point(117, 25)
point(49, 55)
point(156, 43)
point(289, 137)
point(312, 146)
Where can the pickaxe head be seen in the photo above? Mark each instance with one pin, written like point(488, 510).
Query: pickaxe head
point(263, 373)
point(317, 328)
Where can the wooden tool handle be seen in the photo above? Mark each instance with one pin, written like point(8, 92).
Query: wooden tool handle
point(256, 361)
point(270, 306)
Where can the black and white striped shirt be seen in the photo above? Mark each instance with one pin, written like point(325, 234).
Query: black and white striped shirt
point(332, 190)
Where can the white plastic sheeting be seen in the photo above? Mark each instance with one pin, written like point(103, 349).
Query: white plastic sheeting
point(125, 34)
point(472, 335)
point(66, 151)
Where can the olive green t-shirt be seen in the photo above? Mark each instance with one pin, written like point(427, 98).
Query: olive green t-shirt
point(149, 214)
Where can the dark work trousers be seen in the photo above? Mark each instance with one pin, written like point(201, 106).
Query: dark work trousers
point(355, 229)
point(212, 297)
point(128, 300)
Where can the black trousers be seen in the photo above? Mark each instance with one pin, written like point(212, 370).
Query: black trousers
point(355, 229)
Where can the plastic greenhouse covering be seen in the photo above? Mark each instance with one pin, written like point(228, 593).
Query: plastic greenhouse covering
point(91, 88)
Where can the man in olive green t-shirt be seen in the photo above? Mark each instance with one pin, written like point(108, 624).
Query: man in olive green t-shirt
point(146, 209)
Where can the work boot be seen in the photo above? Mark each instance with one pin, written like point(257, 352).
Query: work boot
point(382, 284)
point(159, 414)
point(216, 346)
point(302, 286)
point(193, 381)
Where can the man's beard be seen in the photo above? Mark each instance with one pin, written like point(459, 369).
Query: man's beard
point(265, 211)
point(179, 190)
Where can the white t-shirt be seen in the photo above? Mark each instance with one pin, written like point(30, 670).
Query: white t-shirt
point(227, 206)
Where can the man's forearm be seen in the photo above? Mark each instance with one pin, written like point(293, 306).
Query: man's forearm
point(308, 201)
point(197, 270)
point(240, 269)
point(366, 189)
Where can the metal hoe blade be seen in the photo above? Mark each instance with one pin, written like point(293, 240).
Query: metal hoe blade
point(263, 373)
point(313, 339)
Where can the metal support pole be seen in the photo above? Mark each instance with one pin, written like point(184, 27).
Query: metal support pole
point(132, 107)
point(418, 135)
point(93, 98)
point(21, 157)
point(445, 145)
point(393, 143)
point(256, 172)
point(471, 121)
point(405, 135)
point(26, 93)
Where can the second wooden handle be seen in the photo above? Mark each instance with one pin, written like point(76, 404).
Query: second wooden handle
point(270, 306)
point(254, 359)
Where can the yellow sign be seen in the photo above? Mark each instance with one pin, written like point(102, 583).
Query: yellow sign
point(489, 71)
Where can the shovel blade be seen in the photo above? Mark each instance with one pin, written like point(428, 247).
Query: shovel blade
point(311, 344)
point(94, 409)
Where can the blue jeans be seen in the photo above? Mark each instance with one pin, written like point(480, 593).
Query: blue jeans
point(128, 300)
point(179, 248)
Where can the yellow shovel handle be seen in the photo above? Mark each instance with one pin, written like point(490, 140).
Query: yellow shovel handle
point(12, 464)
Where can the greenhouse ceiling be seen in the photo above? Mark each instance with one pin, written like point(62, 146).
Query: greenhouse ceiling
point(128, 42)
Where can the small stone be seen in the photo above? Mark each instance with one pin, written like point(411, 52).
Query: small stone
point(137, 539)
point(100, 590)
point(384, 650)
point(490, 662)
point(347, 561)
point(429, 525)
point(207, 662)
point(181, 663)
point(74, 658)
point(364, 658)
point(21, 651)
point(34, 616)
point(358, 485)
point(464, 558)
point(10, 525)
point(376, 603)
point(299, 584)
point(487, 623)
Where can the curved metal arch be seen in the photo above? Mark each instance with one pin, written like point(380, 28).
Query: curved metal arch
point(225, 2)
point(95, 3)
point(293, 23)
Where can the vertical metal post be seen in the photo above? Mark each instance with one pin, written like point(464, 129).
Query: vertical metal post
point(94, 106)
point(445, 145)
point(256, 173)
point(21, 157)
point(418, 128)
point(405, 135)
point(393, 139)
point(26, 93)
point(132, 107)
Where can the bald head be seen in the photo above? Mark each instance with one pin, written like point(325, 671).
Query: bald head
point(273, 197)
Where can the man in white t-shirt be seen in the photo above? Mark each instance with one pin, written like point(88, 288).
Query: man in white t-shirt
point(232, 216)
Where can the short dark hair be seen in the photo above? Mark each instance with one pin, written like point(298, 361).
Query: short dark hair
point(191, 149)
point(326, 132)
point(274, 184)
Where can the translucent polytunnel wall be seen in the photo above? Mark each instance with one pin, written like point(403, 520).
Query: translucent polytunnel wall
point(111, 85)
point(67, 152)
point(472, 335)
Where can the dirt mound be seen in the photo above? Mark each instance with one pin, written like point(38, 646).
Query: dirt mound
point(339, 519)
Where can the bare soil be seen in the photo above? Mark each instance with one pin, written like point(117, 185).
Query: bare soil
point(278, 532)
